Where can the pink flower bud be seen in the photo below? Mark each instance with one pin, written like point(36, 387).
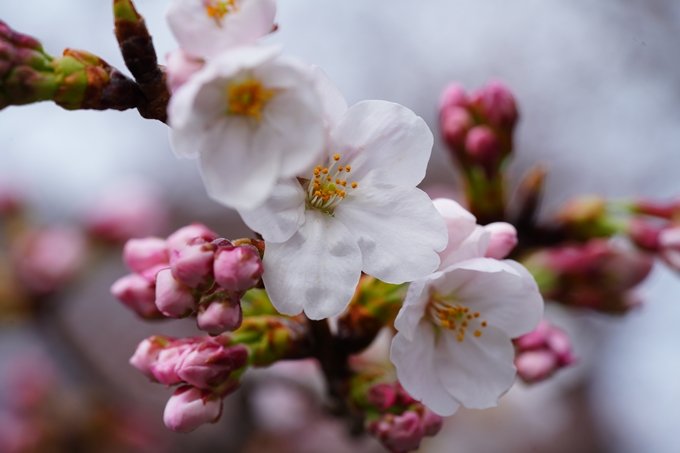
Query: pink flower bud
point(382, 396)
point(483, 148)
point(497, 104)
point(536, 339)
point(142, 254)
point(454, 95)
point(542, 352)
point(432, 422)
point(180, 67)
point(180, 238)
point(503, 240)
point(399, 433)
point(534, 366)
point(403, 398)
point(669, 242)
point(10, 200)
point(645, 234)
point(210, 363)
point(189, 407)
point(238, 269)
point(455, 122)
point(49, 258)
point(138, 294)
point(164, 370)
point(173, 298)
point(220, 316)
point(129, 209)
point(147, 353)
point(193, 265)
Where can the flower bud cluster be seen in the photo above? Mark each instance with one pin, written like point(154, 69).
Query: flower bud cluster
point(207, 369)
point(542, 352)
point(478, 127)
point(397, 420)
point(192, 272)
point(598, 274)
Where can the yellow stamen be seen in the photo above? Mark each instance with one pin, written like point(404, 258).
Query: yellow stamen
point(354, 185)
point(336, 157)
point(478, 333)
point(248, 98)
point(218, 9)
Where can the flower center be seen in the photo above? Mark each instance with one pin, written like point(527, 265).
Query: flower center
point(456, 318)
point(248, 98)
point(217, 9)
point(328, 186)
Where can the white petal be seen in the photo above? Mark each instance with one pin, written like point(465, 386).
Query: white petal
point(398, 229)
point(334, 104)
point(473, 246)
point(477, 370)
point(316, 270)
point(415, 363)
point(460, 224)
point(503, 292)
point(294, 114)
point(413, 308)
point(203, 36)
point(384, 142)
point(281, 215)
point(237, 169)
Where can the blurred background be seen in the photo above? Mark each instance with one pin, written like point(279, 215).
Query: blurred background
point(599, 98)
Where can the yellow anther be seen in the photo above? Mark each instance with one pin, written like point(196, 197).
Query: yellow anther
point(469, 316)
point(476, 315)
point(465, 324)
point(348, 168)
point(478, 333)
point(483, 323)
point(461, 330)
point(342, 193)
point(340, 168)
point(219, 9)
point(317, 193)
point(338, 182)
point(328, 178)
point(336, 157)
point(324, 171)
point(460, 337)
point(248, 98)
point(465, 310)
point(354, 185)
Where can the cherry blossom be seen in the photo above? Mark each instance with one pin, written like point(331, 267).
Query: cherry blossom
point(205, 28)
point(357, 210)
point(455, 328)
point(252, 117)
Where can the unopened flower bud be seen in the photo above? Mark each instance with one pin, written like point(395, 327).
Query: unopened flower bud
point(221, 315)
point(454, 95)
point(180, 238)
point(669, 243)
point(239, 268)
point(542, 352)
point(455, 122)
point(193, 265)
point(189, 407)
point(180, 67)
point(138, 294)
point(503, 239)
point(645, 234)
point(165, 369)
point(403, 398)
point(173, 298)
point(534, 366)
point(497, 104)
point(142, 254)
point(147, 353)
point(399, 433)
point(483, 148)
point(432, 423)
point(382, 396)
point(209, 364)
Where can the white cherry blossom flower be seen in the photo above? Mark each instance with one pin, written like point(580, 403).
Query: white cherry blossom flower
point(357, 210)
point(454, 343)
point(205, 28)
point(252, 117)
